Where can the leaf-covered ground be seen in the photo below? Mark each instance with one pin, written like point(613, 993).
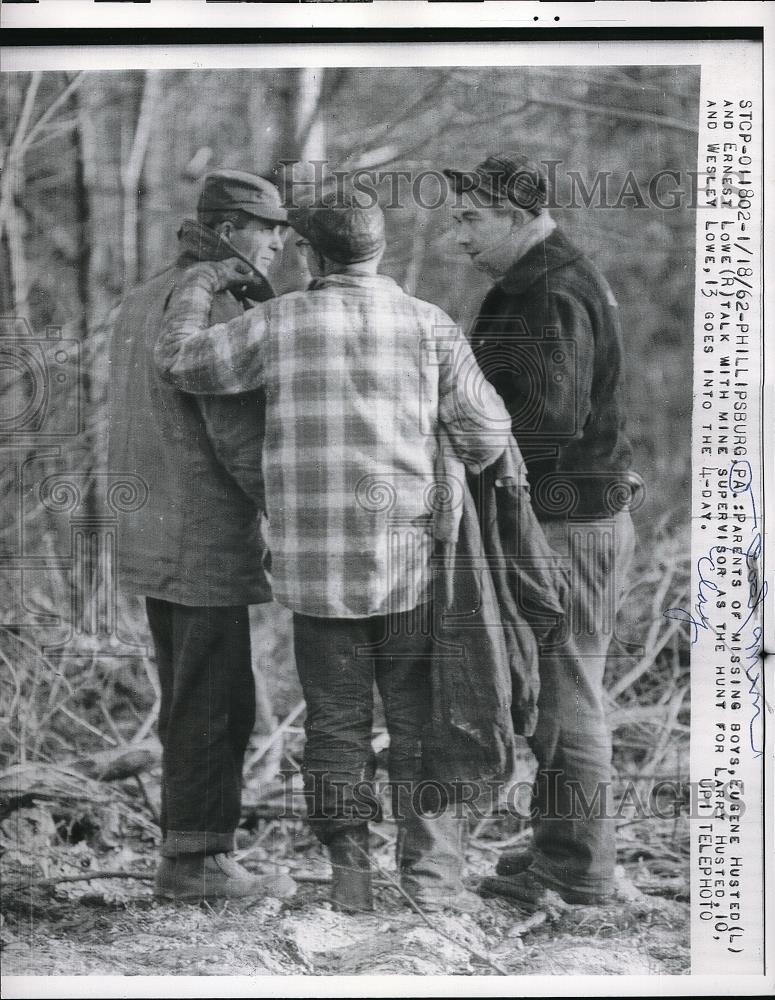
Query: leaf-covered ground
point(113, 926)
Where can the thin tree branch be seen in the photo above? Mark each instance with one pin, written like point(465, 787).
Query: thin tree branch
point(479, 955)
point(382, 137)
point(626, 114)
point(52, 110)
point(20, 132)
point(53, 131)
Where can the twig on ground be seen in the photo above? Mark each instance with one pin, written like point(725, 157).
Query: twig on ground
point(149, 876)
point(147, 724)
point(313, 879)
point(395, 884)
point(153, 679)
point(480, 826)
point(85, 877)
point(512, 841)
point(269, 742)
point(117, 735)
point(147, 798)
point(86, 725)
point(646, 662)
point(530, 924)
point(663, 745)
point(271, 826)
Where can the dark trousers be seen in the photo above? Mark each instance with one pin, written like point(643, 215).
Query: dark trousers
point(205, 720)
point(574, 828)
point(338, 660)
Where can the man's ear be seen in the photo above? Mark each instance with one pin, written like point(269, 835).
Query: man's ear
point(225, 229)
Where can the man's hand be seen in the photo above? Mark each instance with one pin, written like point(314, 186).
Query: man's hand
point(230, 272)
point(219, 360)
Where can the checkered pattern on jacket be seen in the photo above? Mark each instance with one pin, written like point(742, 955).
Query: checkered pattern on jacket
point(357, 376)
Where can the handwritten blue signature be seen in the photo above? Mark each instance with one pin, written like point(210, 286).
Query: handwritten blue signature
point(740, 482)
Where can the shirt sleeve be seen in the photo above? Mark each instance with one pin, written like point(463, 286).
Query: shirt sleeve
point(470, 409)
point(220, 360)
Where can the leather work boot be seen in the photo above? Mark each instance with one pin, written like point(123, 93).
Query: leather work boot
point(215, 876)
point(351, 870)
point(529, 890)
point(514, 862)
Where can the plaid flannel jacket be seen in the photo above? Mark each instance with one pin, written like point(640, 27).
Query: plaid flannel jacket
point(358, 377)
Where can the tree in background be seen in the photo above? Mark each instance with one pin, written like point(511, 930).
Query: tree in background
point(100, 168)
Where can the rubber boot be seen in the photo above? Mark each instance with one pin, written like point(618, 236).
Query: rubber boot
point(351, 870)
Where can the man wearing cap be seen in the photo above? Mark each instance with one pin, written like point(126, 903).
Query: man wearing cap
point(547, 337)
point(194, 550)
point(359, 378)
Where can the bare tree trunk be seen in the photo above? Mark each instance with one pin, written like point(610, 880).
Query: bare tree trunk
point(419, 247)
point(132, 174)
point(106, 103)
point(99, 120)
point(293, 114)
point(310, 136)
point(267, 114)
point(163, 186)
point(11, 186)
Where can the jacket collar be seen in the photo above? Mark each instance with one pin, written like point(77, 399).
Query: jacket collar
point(344, 279)
point(553, 252)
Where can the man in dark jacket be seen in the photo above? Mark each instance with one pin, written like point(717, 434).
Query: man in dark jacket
point(194, 550)
point(547, 337)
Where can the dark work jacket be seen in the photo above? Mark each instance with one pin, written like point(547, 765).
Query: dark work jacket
point(498, 591)
point(547, 337)
point(196, 541)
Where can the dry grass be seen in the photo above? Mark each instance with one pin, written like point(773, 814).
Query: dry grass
point(63, 717)
point(59, 708)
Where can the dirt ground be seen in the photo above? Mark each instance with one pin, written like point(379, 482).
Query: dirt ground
point(113, 926)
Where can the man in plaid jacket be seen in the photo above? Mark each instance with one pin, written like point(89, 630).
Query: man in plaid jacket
point(358, 378)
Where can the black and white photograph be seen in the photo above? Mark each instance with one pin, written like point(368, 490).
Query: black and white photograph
point(381, 550)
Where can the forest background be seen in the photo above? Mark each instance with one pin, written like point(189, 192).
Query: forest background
point(99, 170)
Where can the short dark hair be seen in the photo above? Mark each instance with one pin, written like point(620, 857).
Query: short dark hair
point(235, 216)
